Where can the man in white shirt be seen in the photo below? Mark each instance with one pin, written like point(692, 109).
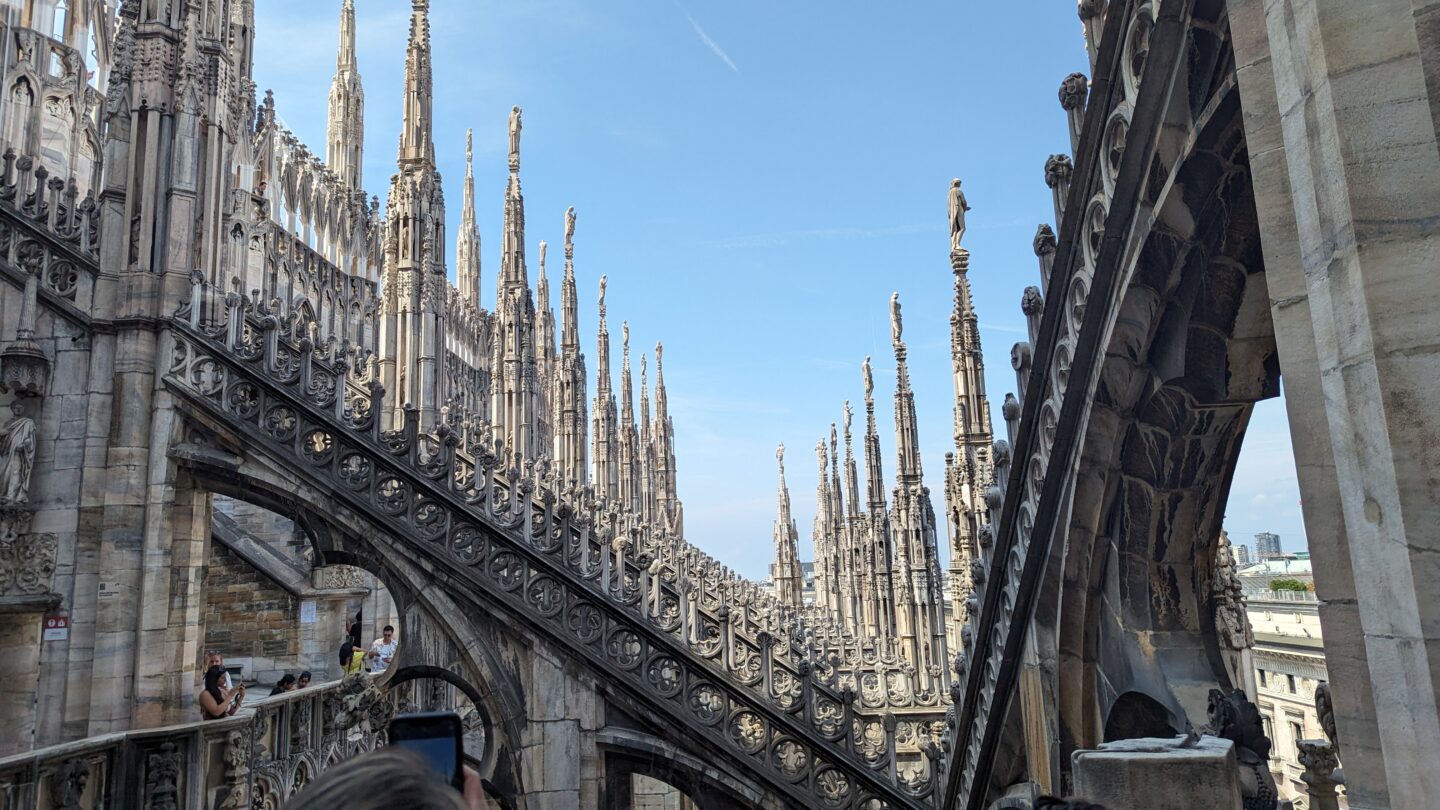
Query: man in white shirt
point(382, 652)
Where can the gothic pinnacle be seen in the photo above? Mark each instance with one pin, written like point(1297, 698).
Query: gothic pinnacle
point(515, 140)
point(570, 328)
point(345, 58)
point(416, 140)
point(467, 248)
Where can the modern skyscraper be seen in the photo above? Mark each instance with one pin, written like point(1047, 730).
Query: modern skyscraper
point(1242, 555)
point(1267, 546)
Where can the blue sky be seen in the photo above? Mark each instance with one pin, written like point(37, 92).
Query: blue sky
point(756, 178)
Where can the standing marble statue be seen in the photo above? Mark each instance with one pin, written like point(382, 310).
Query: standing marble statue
point(897, 328)
point(514, 136)
point(17, 456)
point(569, 226)
point(958, 207)
point(869, 379)
point(603, 280)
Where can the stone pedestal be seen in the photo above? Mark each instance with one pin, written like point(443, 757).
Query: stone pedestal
point(1157, 774)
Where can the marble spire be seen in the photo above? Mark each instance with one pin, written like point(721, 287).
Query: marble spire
point(603, 436)
point(970, 468)
point(787, 577)
point(667, 498)
point(414, 289)
point(345, 141)
point(629, 449)
point(571, 422)
point(417, 143)
point(467, 242)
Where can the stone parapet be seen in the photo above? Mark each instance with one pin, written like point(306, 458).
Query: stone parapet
point(258, 758)
point(1146, 773)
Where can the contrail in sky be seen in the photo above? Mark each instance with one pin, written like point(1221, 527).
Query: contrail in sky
point(710, 43)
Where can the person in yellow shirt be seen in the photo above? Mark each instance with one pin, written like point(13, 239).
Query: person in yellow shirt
point(352, 658)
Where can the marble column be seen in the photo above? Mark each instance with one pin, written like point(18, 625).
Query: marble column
point(1342, 139)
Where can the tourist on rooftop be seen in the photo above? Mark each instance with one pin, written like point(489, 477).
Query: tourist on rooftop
point(285, 684)
point(352, 658)
point(382, 652)
point(215, 700)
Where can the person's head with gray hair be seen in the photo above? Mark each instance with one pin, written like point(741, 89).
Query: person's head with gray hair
point(390, 777)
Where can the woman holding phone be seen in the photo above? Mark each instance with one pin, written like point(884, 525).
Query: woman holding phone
point(215, 701)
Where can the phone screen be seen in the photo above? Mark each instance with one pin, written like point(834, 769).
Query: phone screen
point(435, 736)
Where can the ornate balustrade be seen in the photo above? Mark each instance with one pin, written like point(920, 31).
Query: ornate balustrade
point(257, 758)
point(47, 232)
point(649, 611)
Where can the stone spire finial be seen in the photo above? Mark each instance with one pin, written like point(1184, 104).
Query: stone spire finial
point(906, 439)
point(515, 140)
point(416, 138)
point(958, 207)
point(570, 328)
point(786, 572)
point(345, 58)
point(603, 280)
point(874, 476)
point(852, 485)
point(897, 326)
point(467, 241)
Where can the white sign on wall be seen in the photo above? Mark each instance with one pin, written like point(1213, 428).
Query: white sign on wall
point(307, 612)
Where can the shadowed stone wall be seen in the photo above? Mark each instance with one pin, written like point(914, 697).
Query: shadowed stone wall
point(249, 618)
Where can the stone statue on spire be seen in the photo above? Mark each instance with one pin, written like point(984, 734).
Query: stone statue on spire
point(569, 227)
point(958, 207)
point(896, 326)
point(849, 416)
point(780, 457)
point(603, 279)
point(869, 378)
point(514, 139)
point(625, 336)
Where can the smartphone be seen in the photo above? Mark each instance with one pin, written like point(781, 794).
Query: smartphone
point(435, 736)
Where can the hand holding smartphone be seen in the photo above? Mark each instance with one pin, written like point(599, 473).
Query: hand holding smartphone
point(435, 736)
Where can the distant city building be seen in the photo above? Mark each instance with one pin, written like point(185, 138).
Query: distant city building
point(1289, 662)
point(1267, 546)
point(1242, 555)
point(1258, 575)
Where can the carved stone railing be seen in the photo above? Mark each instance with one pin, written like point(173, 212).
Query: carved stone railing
point(45, 231)
point(257, 758)
point(646, 612)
